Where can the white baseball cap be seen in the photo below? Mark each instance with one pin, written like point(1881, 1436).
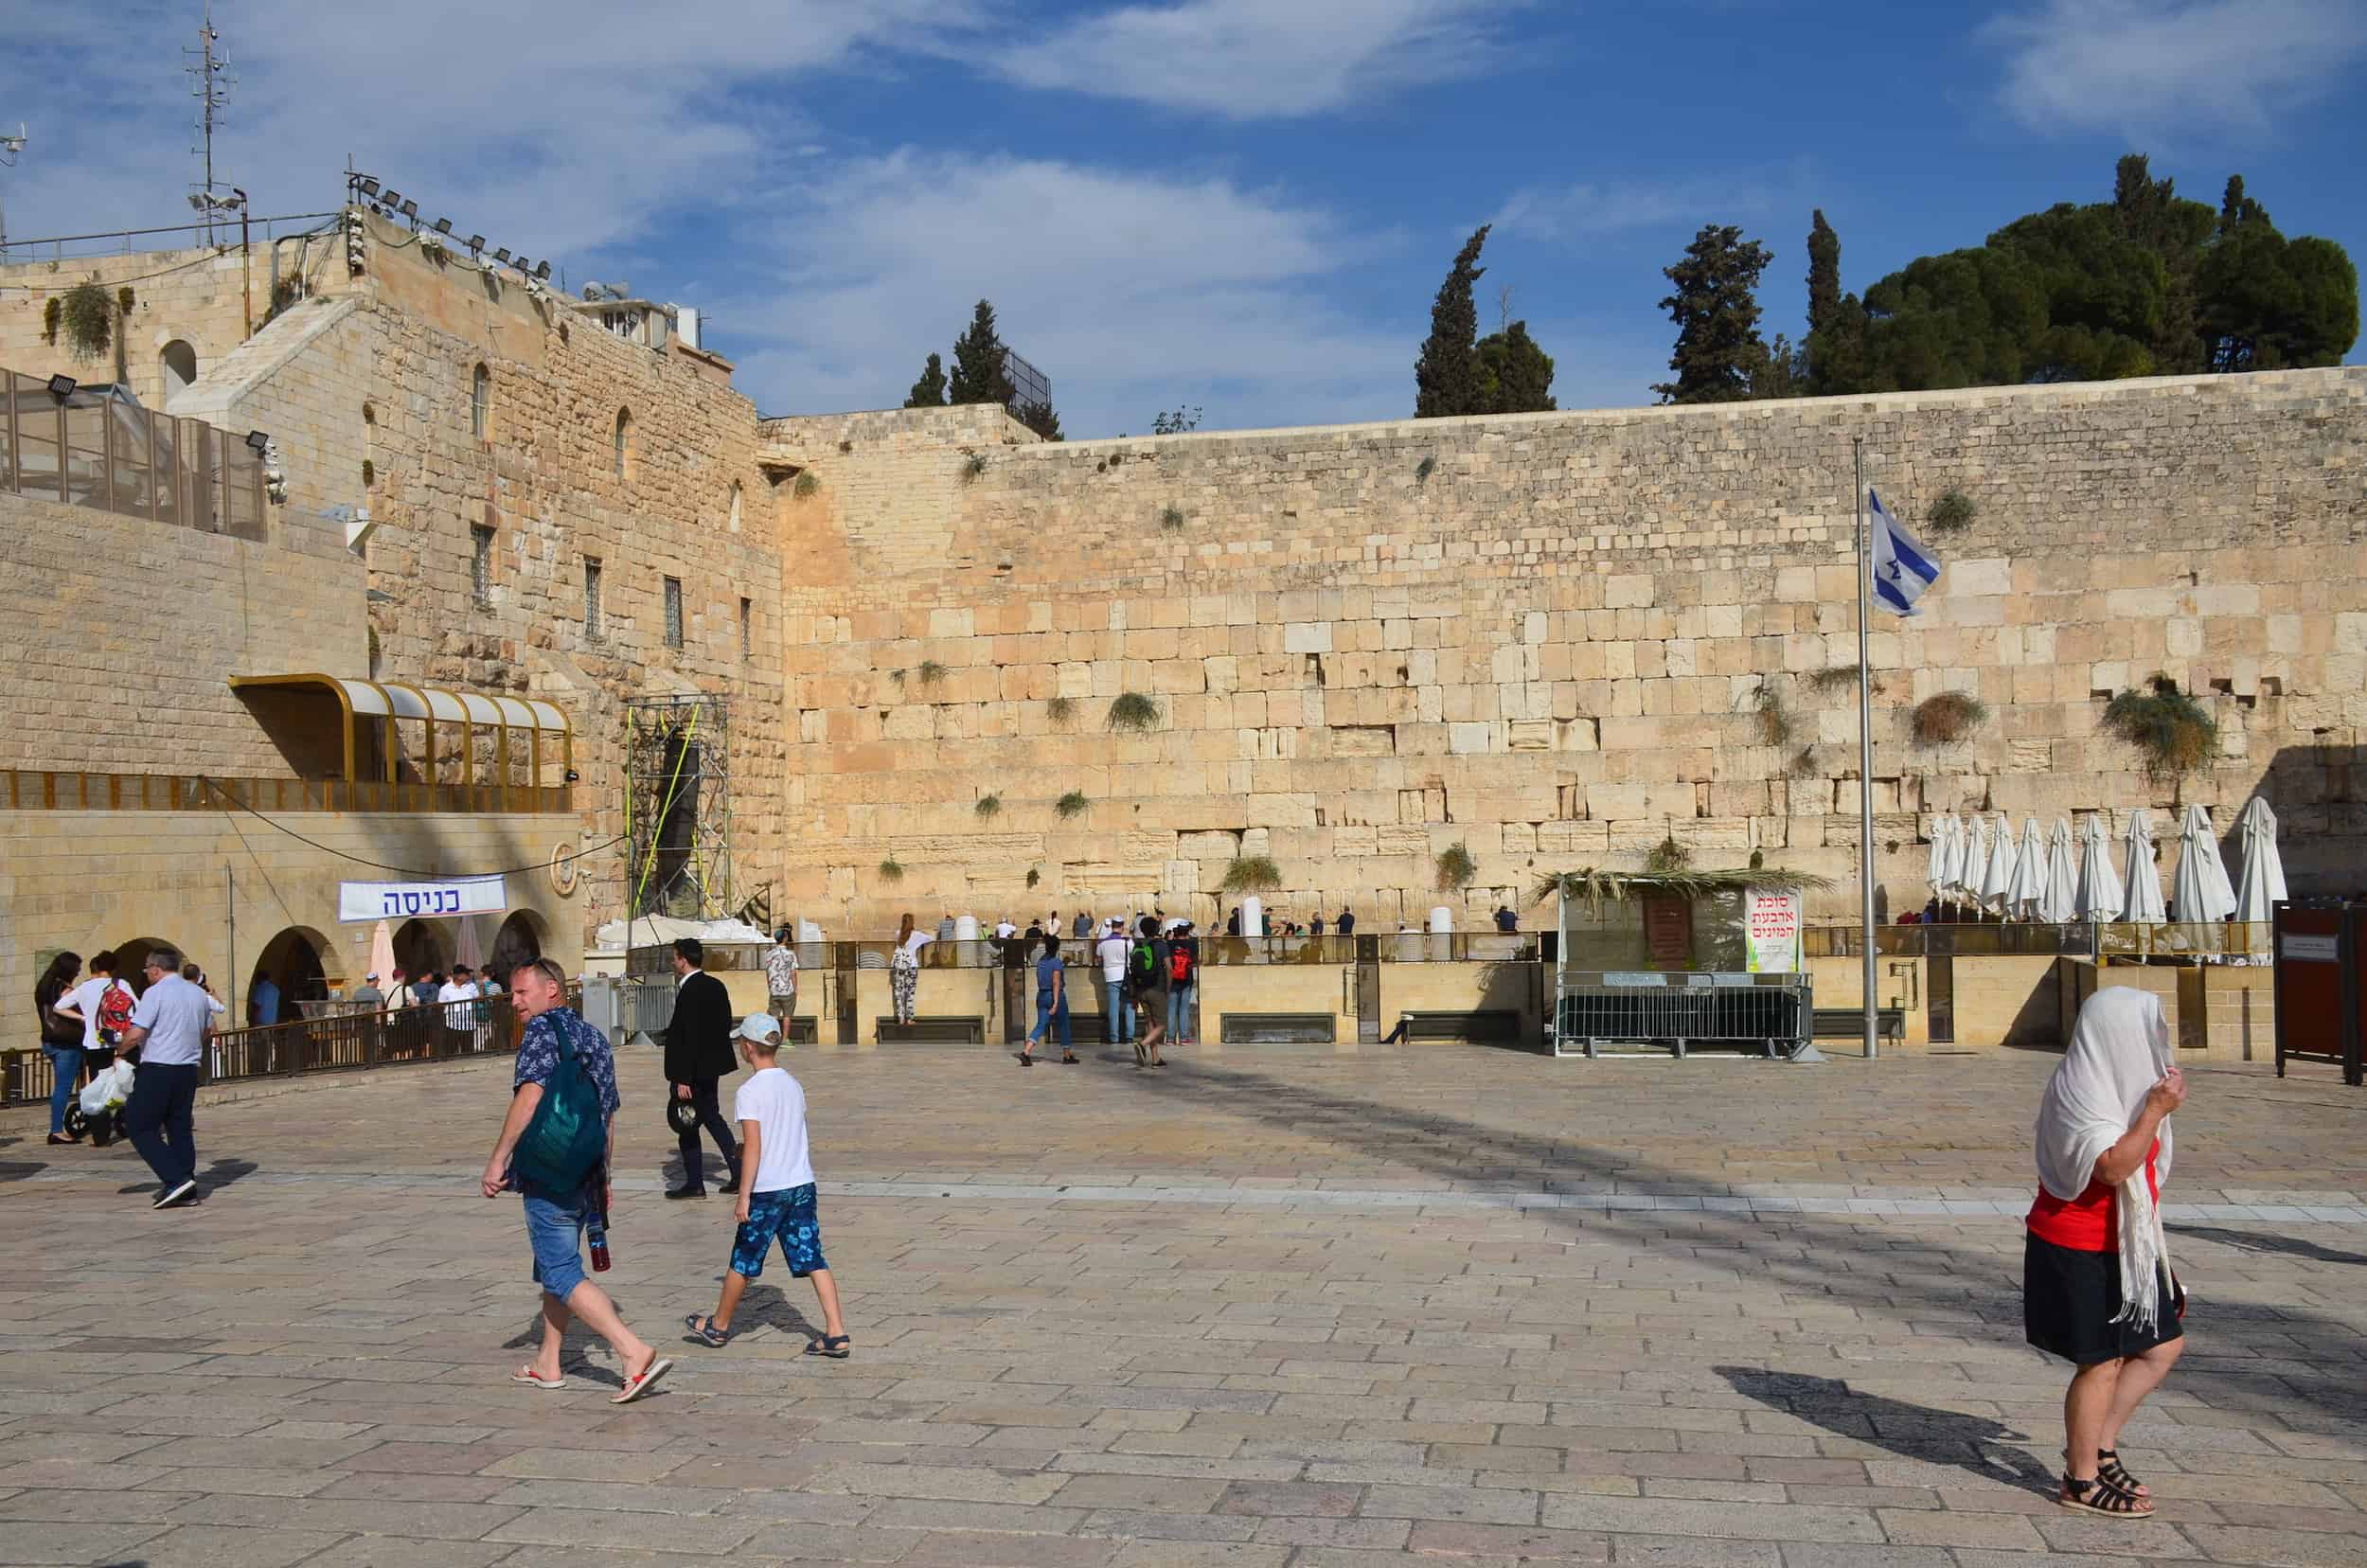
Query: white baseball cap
point(759, 1027)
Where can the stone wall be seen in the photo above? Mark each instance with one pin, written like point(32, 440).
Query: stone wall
point(1550, 638)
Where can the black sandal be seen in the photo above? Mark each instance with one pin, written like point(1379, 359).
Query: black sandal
point(1068, 1058)
point(1024, 1060)
point(2114, 1475)
point(836, 1346)
point(2101, 1496)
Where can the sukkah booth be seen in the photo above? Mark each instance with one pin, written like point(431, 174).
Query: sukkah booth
point(1680, 960)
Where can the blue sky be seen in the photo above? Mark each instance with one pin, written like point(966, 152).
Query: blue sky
point(1244, 204)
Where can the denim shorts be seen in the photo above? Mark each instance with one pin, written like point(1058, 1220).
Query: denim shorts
point(554, 1230)
point(788, 1215)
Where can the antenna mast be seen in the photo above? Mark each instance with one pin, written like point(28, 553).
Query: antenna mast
point(10, 148)
point(212, 93)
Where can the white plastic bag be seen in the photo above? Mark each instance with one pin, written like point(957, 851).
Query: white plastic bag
point(107, 1090)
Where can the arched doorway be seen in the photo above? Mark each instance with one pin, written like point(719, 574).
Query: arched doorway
point(519, 941)
point(176, 370)
point(292, 962)
point(131, 959)
point(419, 950)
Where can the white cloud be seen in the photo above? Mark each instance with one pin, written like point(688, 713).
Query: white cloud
point(2161, 66)
point(1131, 290)
point(1589, 211)
point(1262, 59)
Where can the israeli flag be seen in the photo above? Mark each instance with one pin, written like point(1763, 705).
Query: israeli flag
point(1902, 567)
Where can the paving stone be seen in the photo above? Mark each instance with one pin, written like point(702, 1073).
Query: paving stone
point(216, 1546)
point(397, 1552)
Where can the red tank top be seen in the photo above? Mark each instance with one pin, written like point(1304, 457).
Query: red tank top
point(2088, 1222)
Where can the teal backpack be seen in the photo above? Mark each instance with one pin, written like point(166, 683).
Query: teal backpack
point(568, 1136)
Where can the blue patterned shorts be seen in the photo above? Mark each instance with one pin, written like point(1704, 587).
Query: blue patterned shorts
point(788, 1215)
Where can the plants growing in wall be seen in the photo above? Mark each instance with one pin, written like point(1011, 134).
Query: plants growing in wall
point(1455, 868)
point(370, 474)
point(1061, 710)
point(846, 446)
point(1252, 874)
point(52, 318)
point(2173, 732)
point(1132, 713)
point(931, 673)
point(890, 870)
point(1951, 514)
point(988, 806)
point(1667, 857)
point(1423, 470)
point(1034, 875)
point(973, 466)
point(86, 319)
point(1774, 719)
point(1802, 765)
point(1946, 718)
point(897, 676)
point(1170, 516)
point(805, 484)
point(1072, 804)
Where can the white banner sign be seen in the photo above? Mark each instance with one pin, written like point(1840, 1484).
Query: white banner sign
point(1771, 932)
point(359, 902)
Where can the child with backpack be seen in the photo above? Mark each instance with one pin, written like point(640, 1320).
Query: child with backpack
point(1151, 986)
point(1182, 983)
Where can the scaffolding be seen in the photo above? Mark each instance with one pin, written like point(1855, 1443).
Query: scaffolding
point(678, 807)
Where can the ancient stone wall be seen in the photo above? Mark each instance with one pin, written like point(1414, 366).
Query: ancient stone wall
point(1554, 639)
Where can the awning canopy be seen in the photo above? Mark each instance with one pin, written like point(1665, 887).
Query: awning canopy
point(388, 702)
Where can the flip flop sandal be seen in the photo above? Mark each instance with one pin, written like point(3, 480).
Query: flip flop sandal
point(823, 1346)
point(528, 1375)
point(702, 1328)
point(637, 1386)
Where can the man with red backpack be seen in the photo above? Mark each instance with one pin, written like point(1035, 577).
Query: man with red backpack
point(1151, 986)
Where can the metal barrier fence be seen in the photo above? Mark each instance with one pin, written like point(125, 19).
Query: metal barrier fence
point(333, 1041)
point(92, 450)
point(1768, 1011)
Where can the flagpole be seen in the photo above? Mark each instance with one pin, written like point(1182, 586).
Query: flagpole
point(1865, 753)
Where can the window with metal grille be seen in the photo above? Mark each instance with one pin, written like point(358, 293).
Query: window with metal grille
point(481, 564)
point(673, 612)
point(592, 598)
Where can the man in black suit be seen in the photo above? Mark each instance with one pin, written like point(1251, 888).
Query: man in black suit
point(699, 1055)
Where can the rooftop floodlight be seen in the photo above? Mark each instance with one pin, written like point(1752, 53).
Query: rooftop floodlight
point(392, 200)
point(543, 269)
point(476, 243)
point(257, 441)
point(61, 387)
point(368, 187)
point(443, 225)
point(502, 254)
point(410, 209)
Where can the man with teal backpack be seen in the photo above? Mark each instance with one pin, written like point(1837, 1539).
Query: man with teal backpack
point(554, 1151)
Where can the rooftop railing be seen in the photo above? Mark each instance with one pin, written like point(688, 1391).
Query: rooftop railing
point(104, 450)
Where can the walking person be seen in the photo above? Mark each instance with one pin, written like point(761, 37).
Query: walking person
point(557, 1040)
point(1147, 971)
point(904, 968)
point(60, 1041)
point(697, 1058)
point(778, 1204)
point(169, 1029)
point(460, 993)
point(780, 977)
point(103, 1005)
point(1183, 985)
point(1051, 1004)
point(2096, 1286)
point(1118, 1008)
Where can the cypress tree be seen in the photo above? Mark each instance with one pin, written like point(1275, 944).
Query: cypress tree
point(979, 374)
point(929, 391)
point(1040, 418)
point(1447, 378)
point(1831, 359)
point(1824, 274)
point(1719, 356)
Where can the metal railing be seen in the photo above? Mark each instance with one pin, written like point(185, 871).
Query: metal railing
point(53, 247)
point(29, 790)
point(342, 1037)
point(110, 454)
point(1768, 1012)
point(2076, 940)
point(989, 952)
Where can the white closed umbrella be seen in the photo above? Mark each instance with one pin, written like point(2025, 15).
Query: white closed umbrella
point(2142, 904)
point(1935, 865)
point(2204, 894)
point(2260, 885)
point(2061, 901)
point(2028, 883)
point(2099, 895)
point(1998, 881)
point(1977, 852)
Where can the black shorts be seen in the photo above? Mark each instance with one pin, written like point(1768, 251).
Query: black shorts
point(2069, 1299)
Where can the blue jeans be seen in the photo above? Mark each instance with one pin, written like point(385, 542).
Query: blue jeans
point(65, 1073)
point(1049, 1018)
point(555, 1231)
point(1117, 1012)
point(1180, 1004)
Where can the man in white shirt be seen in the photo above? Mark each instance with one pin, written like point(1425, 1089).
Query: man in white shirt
point(86, 1005)
point(460, 1017)
point(780, 976)
point(1117, 1014)
point(169, 1028)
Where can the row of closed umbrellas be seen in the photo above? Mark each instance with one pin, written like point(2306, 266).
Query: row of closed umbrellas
point(2045, 878)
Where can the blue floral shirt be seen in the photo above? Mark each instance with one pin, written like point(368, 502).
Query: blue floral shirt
point(538, 1053)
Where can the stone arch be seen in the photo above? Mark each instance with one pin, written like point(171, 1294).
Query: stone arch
point(176, 370)
point(519, 941)
point(419, 948)
point(296, 961)
point(132, 958)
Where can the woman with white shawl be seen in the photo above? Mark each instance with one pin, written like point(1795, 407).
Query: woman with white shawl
point(2096, 1287)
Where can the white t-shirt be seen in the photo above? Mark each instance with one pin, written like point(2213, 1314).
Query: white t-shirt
point(1004, 929)
point(776, 1103)
point(908, 950)
point(462, 1017)
point(84, 999)
point(1112, 951)
point(175, 1014)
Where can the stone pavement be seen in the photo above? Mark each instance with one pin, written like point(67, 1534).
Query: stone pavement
point(1266, 1308)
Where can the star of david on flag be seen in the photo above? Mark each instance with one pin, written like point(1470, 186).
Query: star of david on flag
point(1902, 567)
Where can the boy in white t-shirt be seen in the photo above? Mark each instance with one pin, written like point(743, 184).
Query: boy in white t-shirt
point(777, 1201)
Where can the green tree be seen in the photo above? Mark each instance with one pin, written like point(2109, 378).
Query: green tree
point(979, 375)
point(2150, 212)
point(929, 391)
point(1720, 355)
point(1184, 417)
point(1832, 357)
point(2270, 303)
point(1040, 418)
point(1446, 378)
point(1516, 376)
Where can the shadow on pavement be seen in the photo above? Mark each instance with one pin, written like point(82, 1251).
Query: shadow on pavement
point(2268, 1241)
point(1972, 1443)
